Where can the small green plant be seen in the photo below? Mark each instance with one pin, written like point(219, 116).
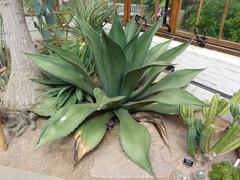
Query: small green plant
point(123, 83)
point(224, 171)
point(46, 21)
point(201, 133)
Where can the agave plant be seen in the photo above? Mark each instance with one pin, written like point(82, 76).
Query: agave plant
point(125, 71)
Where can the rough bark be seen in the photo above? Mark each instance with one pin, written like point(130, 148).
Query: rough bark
point(20, 92)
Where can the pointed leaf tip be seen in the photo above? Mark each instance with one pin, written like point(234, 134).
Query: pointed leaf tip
point(135, 140)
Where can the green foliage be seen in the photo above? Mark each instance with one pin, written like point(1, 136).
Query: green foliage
point(121, 69)
point(211, 17)
point(201, 133)
point(47, 21)
point(94, 12)
point(224, 171)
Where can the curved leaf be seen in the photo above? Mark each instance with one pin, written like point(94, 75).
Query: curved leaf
point(177, 79)
point(116, 32)
point(143, 45)
point(132, 77)
point(73, 60)
point(175, 97)
point(155, 52)
point(64, 121)
point(49, 81)
point(46, 107)
point(166, 57)
point(129, 30)
point(89, 135)
point(115, 61)
point(160, 108)
point(135, 140)
point(103, 101)
point(57, 67)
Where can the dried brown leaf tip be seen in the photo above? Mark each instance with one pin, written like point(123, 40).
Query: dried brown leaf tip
point(80, 148)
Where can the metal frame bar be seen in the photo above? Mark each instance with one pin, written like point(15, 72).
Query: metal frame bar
point(223, 18)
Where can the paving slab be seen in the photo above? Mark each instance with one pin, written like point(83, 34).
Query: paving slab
point(7, 173)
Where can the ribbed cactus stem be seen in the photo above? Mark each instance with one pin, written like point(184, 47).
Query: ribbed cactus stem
point(3, 143)
point(191, 141)
point(186, 113)
point(207, 137)
point(212, 111)
point(231, 134)
point(236, 98)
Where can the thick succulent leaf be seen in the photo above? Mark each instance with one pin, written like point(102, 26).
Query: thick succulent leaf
point(143, 45)
point(129, 49)
point(63, 90)
point(46, 107)
point(167, 57)
point(72, 59)
point(79, 95)
point(64, 121)
point(57, 67)
point(104, 101)
point(64, 97)
point(95, 43)
point(175, 97)
point(104, 58)
point(155, 52)
point(49, 81)
point(116, 32)
point(115, 61)
point(130, 29)
point(160, 108)
point(89, 135)
point(133, 77)
point(177, 79)
point(135, 140)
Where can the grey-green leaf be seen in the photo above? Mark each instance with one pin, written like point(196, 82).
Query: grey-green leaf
point(57, 67)
point(155, 52)
point(175, 97)
point(90, 134)
point(135, 140)
point(64, 121)
point(46, 107)
point(116, 32)
point(130, 29)
point(177, 79)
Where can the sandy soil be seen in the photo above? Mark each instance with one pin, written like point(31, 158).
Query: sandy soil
point(56, 159)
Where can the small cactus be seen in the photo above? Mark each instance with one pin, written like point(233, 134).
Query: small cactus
point(192, 141)
point(202, 133)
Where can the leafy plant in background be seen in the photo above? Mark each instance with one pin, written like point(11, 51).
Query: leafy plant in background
point(211, 17)
point(201, 133)
point(94, 12)
point(47, 21)
point(224, 171)
point(122, 84)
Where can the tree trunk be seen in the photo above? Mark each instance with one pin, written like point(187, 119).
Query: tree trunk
point(21, 91)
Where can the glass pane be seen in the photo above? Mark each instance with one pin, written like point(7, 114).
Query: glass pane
point(231, 30)
point(211, 18)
